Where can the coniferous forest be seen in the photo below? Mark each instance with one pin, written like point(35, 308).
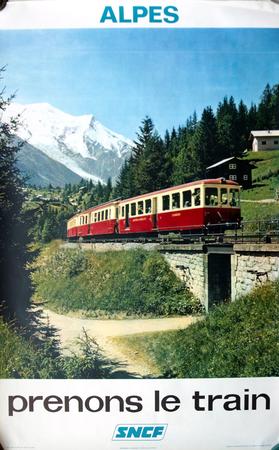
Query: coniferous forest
point(183, 154)
point(156, 162)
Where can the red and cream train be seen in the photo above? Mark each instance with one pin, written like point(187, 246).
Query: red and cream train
point(199, 207)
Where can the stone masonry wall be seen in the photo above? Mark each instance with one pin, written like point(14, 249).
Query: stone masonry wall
point(190, 268)
point(252, 266)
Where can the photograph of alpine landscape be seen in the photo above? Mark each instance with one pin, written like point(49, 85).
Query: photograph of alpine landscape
point(139, 203)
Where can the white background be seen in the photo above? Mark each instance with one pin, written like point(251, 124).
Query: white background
point(187, 428)
point(87, 13)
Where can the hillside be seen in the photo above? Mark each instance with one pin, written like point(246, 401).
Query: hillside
point(259, 202)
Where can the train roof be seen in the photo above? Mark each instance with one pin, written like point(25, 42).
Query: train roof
point(181, 186)
point(148, 194)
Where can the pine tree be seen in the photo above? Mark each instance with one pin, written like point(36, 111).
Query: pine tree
point(205, 142)
point(243, 126)
point(14, 286)
point(265, 121)
point(227, 131)
point(275, 107)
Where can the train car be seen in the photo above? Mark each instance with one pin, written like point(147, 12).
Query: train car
point(202, 206)
point(96, 221)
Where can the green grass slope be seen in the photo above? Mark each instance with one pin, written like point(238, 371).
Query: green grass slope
point(236, 340)
point(265, 184)
point(123, 283)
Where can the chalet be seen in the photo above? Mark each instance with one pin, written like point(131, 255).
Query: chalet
point(264, 140)
point(234, 169)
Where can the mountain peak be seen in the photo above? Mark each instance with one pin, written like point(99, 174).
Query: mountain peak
point(80, 143)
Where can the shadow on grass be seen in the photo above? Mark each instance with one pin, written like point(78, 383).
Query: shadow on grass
point(84, 360)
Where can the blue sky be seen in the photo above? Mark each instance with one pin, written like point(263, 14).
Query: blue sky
point(122, 75)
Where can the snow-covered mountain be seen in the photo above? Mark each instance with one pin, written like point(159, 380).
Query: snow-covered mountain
point(61, 147)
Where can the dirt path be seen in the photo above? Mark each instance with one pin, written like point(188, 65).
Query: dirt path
point(70, 328)
point(264, 200)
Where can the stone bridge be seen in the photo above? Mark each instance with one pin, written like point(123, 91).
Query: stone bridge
point(213, 272)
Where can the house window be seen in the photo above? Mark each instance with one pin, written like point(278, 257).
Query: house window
point(245, 177)
point(263, 142)
point(232, 166)
point(276, 142)
point(233, 177)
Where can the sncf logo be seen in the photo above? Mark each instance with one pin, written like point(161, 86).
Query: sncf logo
point(139, 432)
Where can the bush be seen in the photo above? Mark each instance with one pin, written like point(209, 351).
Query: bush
point(236, 340)
point(131, 282)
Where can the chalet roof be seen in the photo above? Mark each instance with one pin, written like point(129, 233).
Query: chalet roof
point(219, 163)
point(265, 133)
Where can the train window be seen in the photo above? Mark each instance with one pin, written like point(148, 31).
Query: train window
point(224, 197)
point(166, 202)
point(148, 206)
point(133, 209)
point(234, 199)
point(175, 200)
point(187, 199)
point(123, 212)
point(211, 196)
point(197, 196)
point(99, 216)
point(106, 214)
point(103, 215)
point(140, 207)
point(109, 213)
point(86, 219)
point(95, 217)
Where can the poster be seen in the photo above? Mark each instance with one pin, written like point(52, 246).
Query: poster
point(139, 226)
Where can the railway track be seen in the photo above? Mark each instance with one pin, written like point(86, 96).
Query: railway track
point(254, 232)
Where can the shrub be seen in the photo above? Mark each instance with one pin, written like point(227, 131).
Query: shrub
point(131, 282)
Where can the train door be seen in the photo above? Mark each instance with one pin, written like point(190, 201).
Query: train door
point(219, 278)
point(127, 218)
point(116, 226)
point(154, 212)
